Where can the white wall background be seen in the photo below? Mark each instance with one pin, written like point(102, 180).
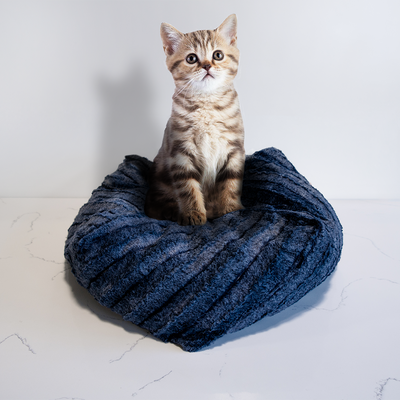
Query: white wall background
point(82, 83)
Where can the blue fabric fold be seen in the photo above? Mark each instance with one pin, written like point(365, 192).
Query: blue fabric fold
point(190, 285)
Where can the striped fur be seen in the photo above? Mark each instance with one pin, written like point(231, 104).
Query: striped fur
point(198, 171)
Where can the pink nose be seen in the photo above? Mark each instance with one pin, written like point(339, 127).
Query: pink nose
point(207, 67)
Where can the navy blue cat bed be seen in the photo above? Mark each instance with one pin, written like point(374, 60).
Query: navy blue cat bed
point(190, 285)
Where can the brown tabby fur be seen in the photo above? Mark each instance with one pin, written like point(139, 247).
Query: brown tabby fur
point(197, 173)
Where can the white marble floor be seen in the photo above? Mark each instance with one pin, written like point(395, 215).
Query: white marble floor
point(340, 342)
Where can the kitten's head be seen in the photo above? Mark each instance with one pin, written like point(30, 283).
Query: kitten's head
point(202, 61)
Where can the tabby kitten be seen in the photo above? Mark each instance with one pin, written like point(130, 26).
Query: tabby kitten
point(197, 173)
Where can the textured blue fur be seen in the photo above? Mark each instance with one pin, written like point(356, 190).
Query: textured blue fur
point(191, 285)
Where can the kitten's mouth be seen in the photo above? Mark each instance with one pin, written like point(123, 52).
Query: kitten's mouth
point(207, 76)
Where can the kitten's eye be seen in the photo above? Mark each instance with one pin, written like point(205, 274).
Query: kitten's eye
point(191, 58)
point(218, 55)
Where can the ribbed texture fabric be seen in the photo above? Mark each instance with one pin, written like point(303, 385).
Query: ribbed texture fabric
point(191, 285)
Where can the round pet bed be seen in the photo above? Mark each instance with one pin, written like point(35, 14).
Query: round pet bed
point(190, 285)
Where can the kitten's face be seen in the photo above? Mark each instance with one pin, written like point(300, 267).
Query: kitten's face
point(202, 61)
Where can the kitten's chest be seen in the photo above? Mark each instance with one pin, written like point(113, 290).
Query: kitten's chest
point(212, 150)
point(206, 134)
point(211, 145)
point(205, 129)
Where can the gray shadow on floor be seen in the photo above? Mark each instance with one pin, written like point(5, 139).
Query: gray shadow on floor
point(85, 300)
point(127, 126)
point(306, 304)
point(311, 300)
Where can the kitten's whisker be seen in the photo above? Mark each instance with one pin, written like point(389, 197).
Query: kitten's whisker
point(189, 85)
point(183, 87)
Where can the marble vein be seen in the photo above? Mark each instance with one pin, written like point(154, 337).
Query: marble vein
point(58, 273)
point(38, 215)
point(22, 340)
point(386, 280)
point(223, 365)
point(373, 243)
point(128, 351)
point(40, 258)
point(343, 297)
point(381, 387)
point(150, 383)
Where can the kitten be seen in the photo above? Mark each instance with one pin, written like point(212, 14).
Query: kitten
point(197, 173)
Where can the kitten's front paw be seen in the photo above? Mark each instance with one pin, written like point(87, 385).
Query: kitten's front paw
point(227, 209)
point(192, 218)
point(235, 207)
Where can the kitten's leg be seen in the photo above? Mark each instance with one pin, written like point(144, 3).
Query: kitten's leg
point(160, 205)
point(186, 180)
point(176, 196)
point(190, 198)
point(160, 201)
point(228, 187)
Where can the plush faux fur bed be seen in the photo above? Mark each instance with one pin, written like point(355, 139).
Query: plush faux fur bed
point(191, 285)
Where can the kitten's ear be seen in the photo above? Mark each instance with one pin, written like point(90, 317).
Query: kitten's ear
point(228, 29)
point(171, 38)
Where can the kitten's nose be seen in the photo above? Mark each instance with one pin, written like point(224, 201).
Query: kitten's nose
point(207, 67)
